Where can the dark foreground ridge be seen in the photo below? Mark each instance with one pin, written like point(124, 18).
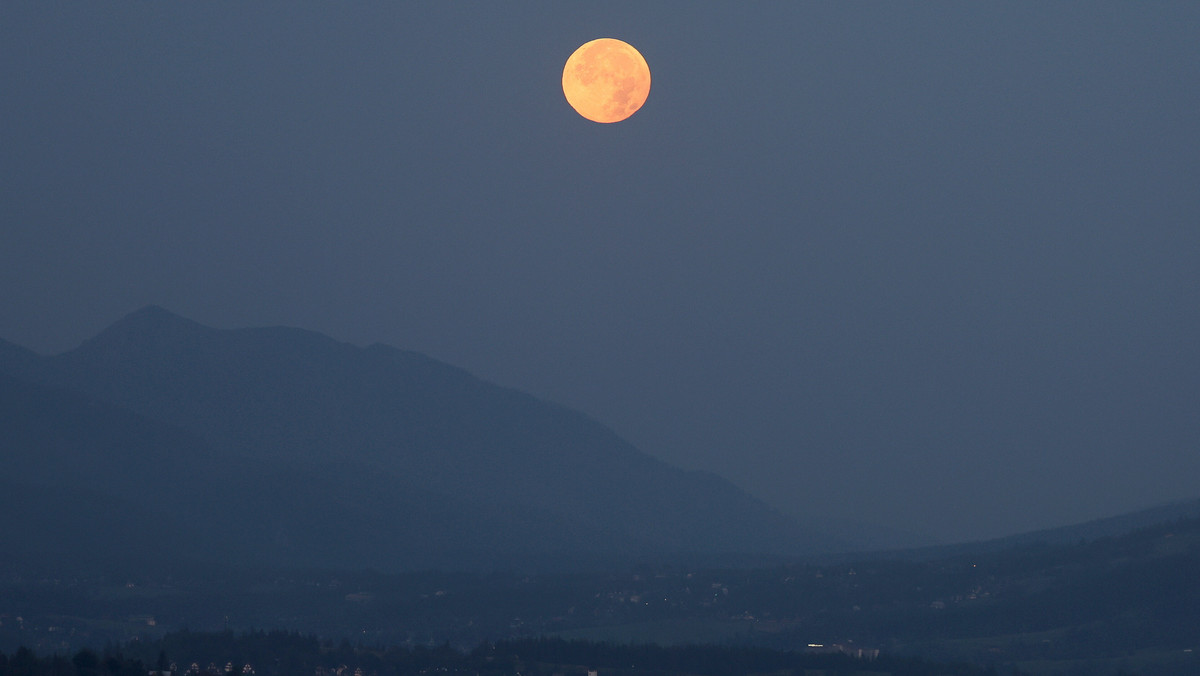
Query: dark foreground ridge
point(1097, 608)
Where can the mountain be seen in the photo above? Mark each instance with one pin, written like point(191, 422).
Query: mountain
point(278, 446)
point(84, 480)
point(15, 359)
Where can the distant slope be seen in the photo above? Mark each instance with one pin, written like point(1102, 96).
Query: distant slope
point(322, 453)
point(85, 482)
point(16, 360)
point(1113, 526)
point(58, 437)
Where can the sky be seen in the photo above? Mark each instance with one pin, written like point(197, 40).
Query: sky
point(928, 265)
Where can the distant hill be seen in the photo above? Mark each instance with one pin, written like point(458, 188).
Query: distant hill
point(279, 446)
point(1112, 526)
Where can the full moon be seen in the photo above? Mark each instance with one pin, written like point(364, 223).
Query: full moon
point(606, 80)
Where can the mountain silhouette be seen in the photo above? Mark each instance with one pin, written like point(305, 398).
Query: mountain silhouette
point(279, 446)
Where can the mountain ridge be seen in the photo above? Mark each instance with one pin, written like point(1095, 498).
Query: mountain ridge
point(410, 435)
point(1117, 525)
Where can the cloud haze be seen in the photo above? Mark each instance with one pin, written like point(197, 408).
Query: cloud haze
point(930, 265)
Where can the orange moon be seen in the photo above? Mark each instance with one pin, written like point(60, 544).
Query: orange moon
point(606, 80)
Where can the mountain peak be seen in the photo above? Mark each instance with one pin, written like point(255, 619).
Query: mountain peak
point(151, 315)
point(147, 328)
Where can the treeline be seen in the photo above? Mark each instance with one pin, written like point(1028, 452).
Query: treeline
point(287, 654)
point(705, 660)
point(24, 662)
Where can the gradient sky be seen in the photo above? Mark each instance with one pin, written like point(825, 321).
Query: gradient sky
point(931, 265)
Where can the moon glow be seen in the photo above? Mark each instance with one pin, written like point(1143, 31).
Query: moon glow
point(606, 80)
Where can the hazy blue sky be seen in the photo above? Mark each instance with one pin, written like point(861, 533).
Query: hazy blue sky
point(934, 265)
